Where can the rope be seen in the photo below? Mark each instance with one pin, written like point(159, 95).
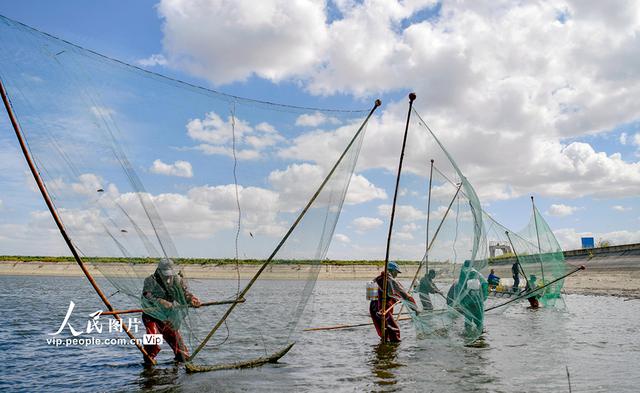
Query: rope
point(231, 97)
point(235, 183)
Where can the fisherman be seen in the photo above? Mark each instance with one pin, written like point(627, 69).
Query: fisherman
point(471, 291)
point(493, 280)
point(395, 292)
point(533, 298)
point(425, 288)
point(515, 271)
point(165, 300)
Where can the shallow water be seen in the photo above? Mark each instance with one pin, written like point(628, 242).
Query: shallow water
point(598, 339)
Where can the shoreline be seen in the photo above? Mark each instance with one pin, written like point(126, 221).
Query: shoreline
point(595, 280)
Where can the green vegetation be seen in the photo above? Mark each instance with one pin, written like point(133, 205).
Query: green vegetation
point(191, 261)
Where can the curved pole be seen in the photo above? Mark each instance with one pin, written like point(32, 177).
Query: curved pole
point(383, 329)
point(535, 221)
point(58, 221)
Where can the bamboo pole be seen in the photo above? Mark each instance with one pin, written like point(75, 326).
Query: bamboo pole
point(383, 329)
point(535, 221)
point(517, 258)
point(427, 246)
point(528, 293)
point(192, 368)
point(242, 294)
point(337, 327)
point(138, 310)
point(56, 218)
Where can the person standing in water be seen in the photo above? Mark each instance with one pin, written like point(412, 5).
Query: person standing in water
point(515, 271)
point(425, 288)
point(395, 292)
point(533, 298)
point(165, 301)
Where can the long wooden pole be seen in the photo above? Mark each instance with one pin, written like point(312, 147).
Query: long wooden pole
point(428, 245)
point(242, 294)
point(535, 221)
point(139, 310)
point(517, 258)
point(337, 327)
point(58, 221)
point(383, 329)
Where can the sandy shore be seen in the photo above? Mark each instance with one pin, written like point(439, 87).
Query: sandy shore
point(595, 280)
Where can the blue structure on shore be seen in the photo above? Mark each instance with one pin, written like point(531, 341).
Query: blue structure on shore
point(587, 242)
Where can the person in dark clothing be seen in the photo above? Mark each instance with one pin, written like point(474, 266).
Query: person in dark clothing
point(427, 287)
point(165, 299)
point(515, 271)
point(395, 292)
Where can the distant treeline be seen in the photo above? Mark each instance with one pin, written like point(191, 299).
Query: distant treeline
point(196, 261)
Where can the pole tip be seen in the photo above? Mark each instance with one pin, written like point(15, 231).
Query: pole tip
point(378, 103)
point(582, 267)
point(432, 160)
point(531, 197)
point(412, 96)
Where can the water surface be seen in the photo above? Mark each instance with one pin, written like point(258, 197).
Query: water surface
point(598, 339)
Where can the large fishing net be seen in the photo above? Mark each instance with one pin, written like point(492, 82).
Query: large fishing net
point(439, 226)
point(528, 264)
point(144, 170)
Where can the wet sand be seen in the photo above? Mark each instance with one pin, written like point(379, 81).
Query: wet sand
point(595, 280)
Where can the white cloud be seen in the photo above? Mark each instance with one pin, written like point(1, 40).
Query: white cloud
point(273, 39)
point(362, 190)
point(636, 139)
point(560, 210)
point(315, 119)
point(341, 238)
point(403, 212)
point(179, 168)
point(153, 60)
point(216, 135)
point(363, 224)
point(623, 138)
point(297, 183)
point(101, 111)
point(620, 208)
point(504, 83)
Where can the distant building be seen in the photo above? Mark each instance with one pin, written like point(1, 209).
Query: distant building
point(493, 246)
point(588, 242)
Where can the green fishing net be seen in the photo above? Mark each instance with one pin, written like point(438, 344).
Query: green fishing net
point(534, 253)
point(146, 170)
point(439, 227)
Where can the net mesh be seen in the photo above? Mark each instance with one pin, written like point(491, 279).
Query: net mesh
point(145, 170)
point(528, 260)
point(450, 247)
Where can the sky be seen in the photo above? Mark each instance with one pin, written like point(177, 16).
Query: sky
point(535, 98)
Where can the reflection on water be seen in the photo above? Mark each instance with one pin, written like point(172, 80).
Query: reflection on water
point(522, 350)
point(159, 377)
point(384, 361)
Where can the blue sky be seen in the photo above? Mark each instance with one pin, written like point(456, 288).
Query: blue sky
point(518, 120)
